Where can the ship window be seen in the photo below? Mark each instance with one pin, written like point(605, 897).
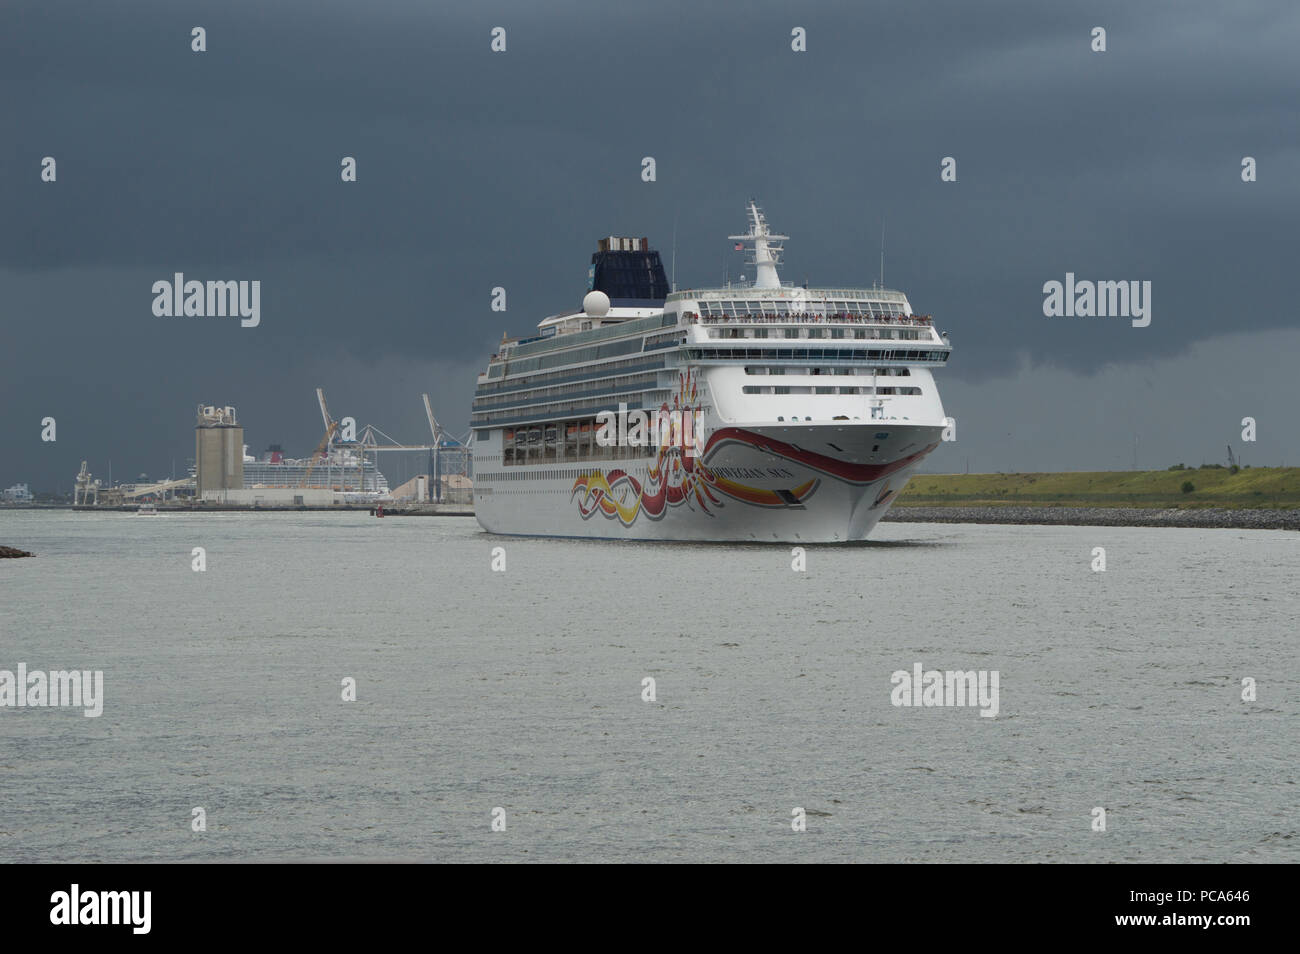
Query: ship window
point(816, 333)
point(792, 332)
point(780, 418)
point(780, 390)
point(824, 391)
point(837, 332)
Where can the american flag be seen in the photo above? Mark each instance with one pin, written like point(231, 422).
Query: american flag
point(740, 246)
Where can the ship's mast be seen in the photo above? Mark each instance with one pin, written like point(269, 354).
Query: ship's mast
point(766, 253)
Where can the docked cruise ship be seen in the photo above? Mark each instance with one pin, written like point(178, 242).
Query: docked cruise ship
point(776, 412)
point(339, 469)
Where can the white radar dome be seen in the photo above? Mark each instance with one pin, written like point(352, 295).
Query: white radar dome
point(596, 304)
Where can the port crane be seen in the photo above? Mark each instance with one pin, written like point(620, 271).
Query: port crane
point(85, 488)
point(322, 448)
point(374, 440)
point(433, 421)
point(434, 474)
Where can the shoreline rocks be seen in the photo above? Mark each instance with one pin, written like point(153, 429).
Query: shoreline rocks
point(13, 552)
point(1101, 517)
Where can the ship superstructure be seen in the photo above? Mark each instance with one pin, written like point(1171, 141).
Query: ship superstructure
point(811, 407)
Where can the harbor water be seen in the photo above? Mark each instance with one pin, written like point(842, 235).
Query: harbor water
point(524, 687)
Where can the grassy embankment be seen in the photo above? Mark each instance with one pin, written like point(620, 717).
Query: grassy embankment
point(1264, 488)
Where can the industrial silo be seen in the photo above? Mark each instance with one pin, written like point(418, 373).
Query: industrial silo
point(218, 450)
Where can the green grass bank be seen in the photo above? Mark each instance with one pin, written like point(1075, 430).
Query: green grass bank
point(1268, 488)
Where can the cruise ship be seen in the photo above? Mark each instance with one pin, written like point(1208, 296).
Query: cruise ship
point(757, 411)
point(339, 469)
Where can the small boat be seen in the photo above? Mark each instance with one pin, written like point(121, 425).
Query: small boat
point(146, 510)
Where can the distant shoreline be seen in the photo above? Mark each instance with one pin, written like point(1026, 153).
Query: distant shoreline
point(1238, 519)
point(1100, 517)
point(1246, 498)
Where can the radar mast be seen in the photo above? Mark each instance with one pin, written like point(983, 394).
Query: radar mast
point(763, 244)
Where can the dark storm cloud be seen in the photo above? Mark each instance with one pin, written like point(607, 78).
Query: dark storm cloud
point(478, 170)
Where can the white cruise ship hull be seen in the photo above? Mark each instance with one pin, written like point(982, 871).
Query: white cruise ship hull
point(815, 483)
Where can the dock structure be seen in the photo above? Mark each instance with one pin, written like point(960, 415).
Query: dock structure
point(342, 474)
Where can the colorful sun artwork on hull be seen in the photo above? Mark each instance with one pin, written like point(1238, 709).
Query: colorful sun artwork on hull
point(674, 479)
point(677, 479)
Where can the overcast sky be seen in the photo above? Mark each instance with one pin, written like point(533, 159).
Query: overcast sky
point(479, 169)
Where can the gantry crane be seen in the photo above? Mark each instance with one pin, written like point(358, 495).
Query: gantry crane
point(331, 426)
point(435, 477)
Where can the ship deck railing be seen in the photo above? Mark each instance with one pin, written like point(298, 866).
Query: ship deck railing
point(833, 318)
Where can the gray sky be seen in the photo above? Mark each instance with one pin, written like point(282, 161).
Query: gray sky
point(478, 169)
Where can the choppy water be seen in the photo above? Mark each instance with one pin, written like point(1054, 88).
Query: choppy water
point(522, 690)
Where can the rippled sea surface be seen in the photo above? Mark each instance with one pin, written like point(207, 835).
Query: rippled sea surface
point(522, 690)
